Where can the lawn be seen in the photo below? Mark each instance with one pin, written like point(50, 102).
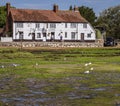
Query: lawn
point(57, 77)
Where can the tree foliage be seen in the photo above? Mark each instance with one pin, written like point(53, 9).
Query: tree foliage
point(110, 19)
point(2, 16)
point(88, 14)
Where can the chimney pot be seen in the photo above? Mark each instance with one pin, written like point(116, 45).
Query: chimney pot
point(55, 8)
point(76, 9)
point(8, 8)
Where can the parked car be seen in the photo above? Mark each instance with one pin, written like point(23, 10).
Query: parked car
point(109, 41)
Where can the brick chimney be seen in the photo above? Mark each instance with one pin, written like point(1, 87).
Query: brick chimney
point(55, 8)
point(7, 18)
point(76, 9)
point(8, 8)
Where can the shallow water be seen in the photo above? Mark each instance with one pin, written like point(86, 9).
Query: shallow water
point(47, 92)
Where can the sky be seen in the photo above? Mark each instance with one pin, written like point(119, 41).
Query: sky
point(97, 5)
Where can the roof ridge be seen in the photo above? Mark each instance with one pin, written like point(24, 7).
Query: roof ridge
point(30, 9)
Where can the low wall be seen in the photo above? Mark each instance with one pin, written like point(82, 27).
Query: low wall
point(6, 39)
point(118, 44)
point(51, 44)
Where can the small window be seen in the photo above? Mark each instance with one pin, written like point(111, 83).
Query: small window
point(85, 25)
point(38, 35)
point(73, 35)
point(37, 25)
point(65, 25)
point(89, 35)
point(52, 25)
point(29, 24)
point(19, 25)
point(47, 25)
point(73, 25)
point(65, 34)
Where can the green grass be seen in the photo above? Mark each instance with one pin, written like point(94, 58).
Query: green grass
point(62, 71)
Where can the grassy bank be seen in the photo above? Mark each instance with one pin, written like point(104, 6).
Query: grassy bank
point(57, 76)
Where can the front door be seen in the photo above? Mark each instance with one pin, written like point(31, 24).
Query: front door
point(21, 35)
point(33, 36)
point(44, 36)
point(82, 37)
point(52, 36)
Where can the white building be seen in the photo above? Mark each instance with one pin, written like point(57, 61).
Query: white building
point(48, 25)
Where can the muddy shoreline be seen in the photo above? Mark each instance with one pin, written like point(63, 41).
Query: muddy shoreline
point(49, 92)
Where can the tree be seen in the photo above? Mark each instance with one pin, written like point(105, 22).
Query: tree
point(2, 16)
point(110, 19)
point(88, 14)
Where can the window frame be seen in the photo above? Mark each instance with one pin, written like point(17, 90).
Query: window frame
point(38, 35)
point(84, 25)
point(19, 25)
point(73, 25)
point(89, 35)
point(66, 25)
point(52, 25)
point(37, 25)
point(66, 34)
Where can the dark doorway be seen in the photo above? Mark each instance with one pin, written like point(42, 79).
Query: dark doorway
point(33, 36)
point(21, 35)
point(52, 36)
point(82, 37)
point(44, 36)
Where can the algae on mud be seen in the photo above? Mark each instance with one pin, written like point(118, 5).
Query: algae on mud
point(45, 77)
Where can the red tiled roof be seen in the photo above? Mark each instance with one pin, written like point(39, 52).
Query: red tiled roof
point(35, 15)
point(71, 16)
point(29, 15)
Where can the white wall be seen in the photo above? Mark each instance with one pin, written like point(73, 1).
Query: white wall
point(6, 39)
point(60, 27)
